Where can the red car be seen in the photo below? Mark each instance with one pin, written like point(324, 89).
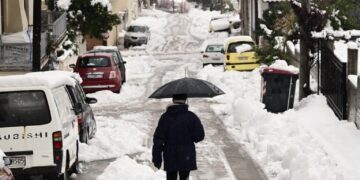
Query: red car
point(99, 72)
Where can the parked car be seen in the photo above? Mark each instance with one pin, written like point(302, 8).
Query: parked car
point(85, 118)
point(136, 34)
point(211, 53)
point(38, 127)
point(117, 56)
point(99, 72)
point(240, 54)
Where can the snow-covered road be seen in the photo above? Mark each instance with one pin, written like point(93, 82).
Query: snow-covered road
point(220, 157)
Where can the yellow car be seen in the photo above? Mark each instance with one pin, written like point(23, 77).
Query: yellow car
point(240, 54)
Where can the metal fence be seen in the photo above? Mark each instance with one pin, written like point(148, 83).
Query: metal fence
point(333, 80)
point(15, 56)
point(55, 23)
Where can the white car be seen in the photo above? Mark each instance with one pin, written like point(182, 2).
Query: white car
point(211, 53)
point(39, 131)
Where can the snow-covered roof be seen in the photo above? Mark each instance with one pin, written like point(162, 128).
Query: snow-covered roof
point(239, 38)
point(50, 79)
point(105, 48)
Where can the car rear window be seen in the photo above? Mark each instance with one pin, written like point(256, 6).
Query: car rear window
point(232, 47)
point(94, 62)
point(214, 48)
point(23, 108)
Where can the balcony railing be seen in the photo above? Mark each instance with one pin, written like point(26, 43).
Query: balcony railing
point(16, 56)
point(55, 23)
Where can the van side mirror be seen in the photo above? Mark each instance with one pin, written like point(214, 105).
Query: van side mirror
point(78, 108)
point(124, 62)
point(202, 52)
point(90, 100)
point(222, 51)
point(72, 66)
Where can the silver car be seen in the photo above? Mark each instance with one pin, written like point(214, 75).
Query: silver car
point(136, 34)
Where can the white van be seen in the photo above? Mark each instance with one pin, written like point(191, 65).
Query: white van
point(38, 126)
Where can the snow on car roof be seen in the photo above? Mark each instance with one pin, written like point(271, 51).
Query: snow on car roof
point(239, 38)
point(105, 48)
point(50, 79)
point(137, 23)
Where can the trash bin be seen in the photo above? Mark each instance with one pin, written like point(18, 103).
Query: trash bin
point(278, 89)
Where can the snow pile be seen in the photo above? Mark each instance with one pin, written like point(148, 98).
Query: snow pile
point(341, 51)
point(112, 140)
point(63, 4)
point(200, 22)
point(281, 64)
point(104, 3)
point(307, 142)
point(126, 168)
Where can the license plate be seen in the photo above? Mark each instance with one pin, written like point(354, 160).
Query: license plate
point(216, 59)
point(17, 162)
point(94, 76)
point(242, 58)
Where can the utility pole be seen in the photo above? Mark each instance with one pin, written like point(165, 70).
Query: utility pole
point(304, 79)
point(36, 36)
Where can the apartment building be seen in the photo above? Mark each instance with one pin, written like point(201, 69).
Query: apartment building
point(127, 10)
point(16, 42)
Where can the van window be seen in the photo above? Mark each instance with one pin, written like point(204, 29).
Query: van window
point(94, 62)
point(23, 108)
point(232, 47)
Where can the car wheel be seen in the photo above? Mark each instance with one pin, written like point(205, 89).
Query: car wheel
point(85, 136)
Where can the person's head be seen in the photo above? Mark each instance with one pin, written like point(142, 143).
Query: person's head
point(179, 98)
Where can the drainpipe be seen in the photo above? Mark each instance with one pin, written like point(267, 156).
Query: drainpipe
point(37, 36)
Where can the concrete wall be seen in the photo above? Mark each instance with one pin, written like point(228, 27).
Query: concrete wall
point(15, 19)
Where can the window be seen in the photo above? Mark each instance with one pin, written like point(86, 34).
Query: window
point(23, 108)
point(137, 29)
point(233, 46)
point(214, 48)
point(95, 62)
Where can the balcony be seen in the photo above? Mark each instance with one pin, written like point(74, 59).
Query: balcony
point(16, 54)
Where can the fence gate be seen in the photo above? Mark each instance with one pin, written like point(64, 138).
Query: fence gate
point(333, 80)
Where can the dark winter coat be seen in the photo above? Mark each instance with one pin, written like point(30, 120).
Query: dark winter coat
point(174, 137)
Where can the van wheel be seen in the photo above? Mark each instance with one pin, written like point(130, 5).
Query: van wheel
point(65, 175)
point(75, 168)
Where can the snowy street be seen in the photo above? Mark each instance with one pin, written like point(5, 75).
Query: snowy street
point(243, 141)
point(219, 152)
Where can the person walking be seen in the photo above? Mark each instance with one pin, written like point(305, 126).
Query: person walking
point(177, 131)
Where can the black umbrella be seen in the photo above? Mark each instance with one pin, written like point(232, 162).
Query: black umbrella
point(190, 86)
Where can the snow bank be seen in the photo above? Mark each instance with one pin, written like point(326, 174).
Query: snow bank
point(112, 140)
point(200, 22)
point(126, 168)
point(307, 142)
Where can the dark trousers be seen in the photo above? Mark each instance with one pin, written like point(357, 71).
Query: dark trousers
point(172, 175)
